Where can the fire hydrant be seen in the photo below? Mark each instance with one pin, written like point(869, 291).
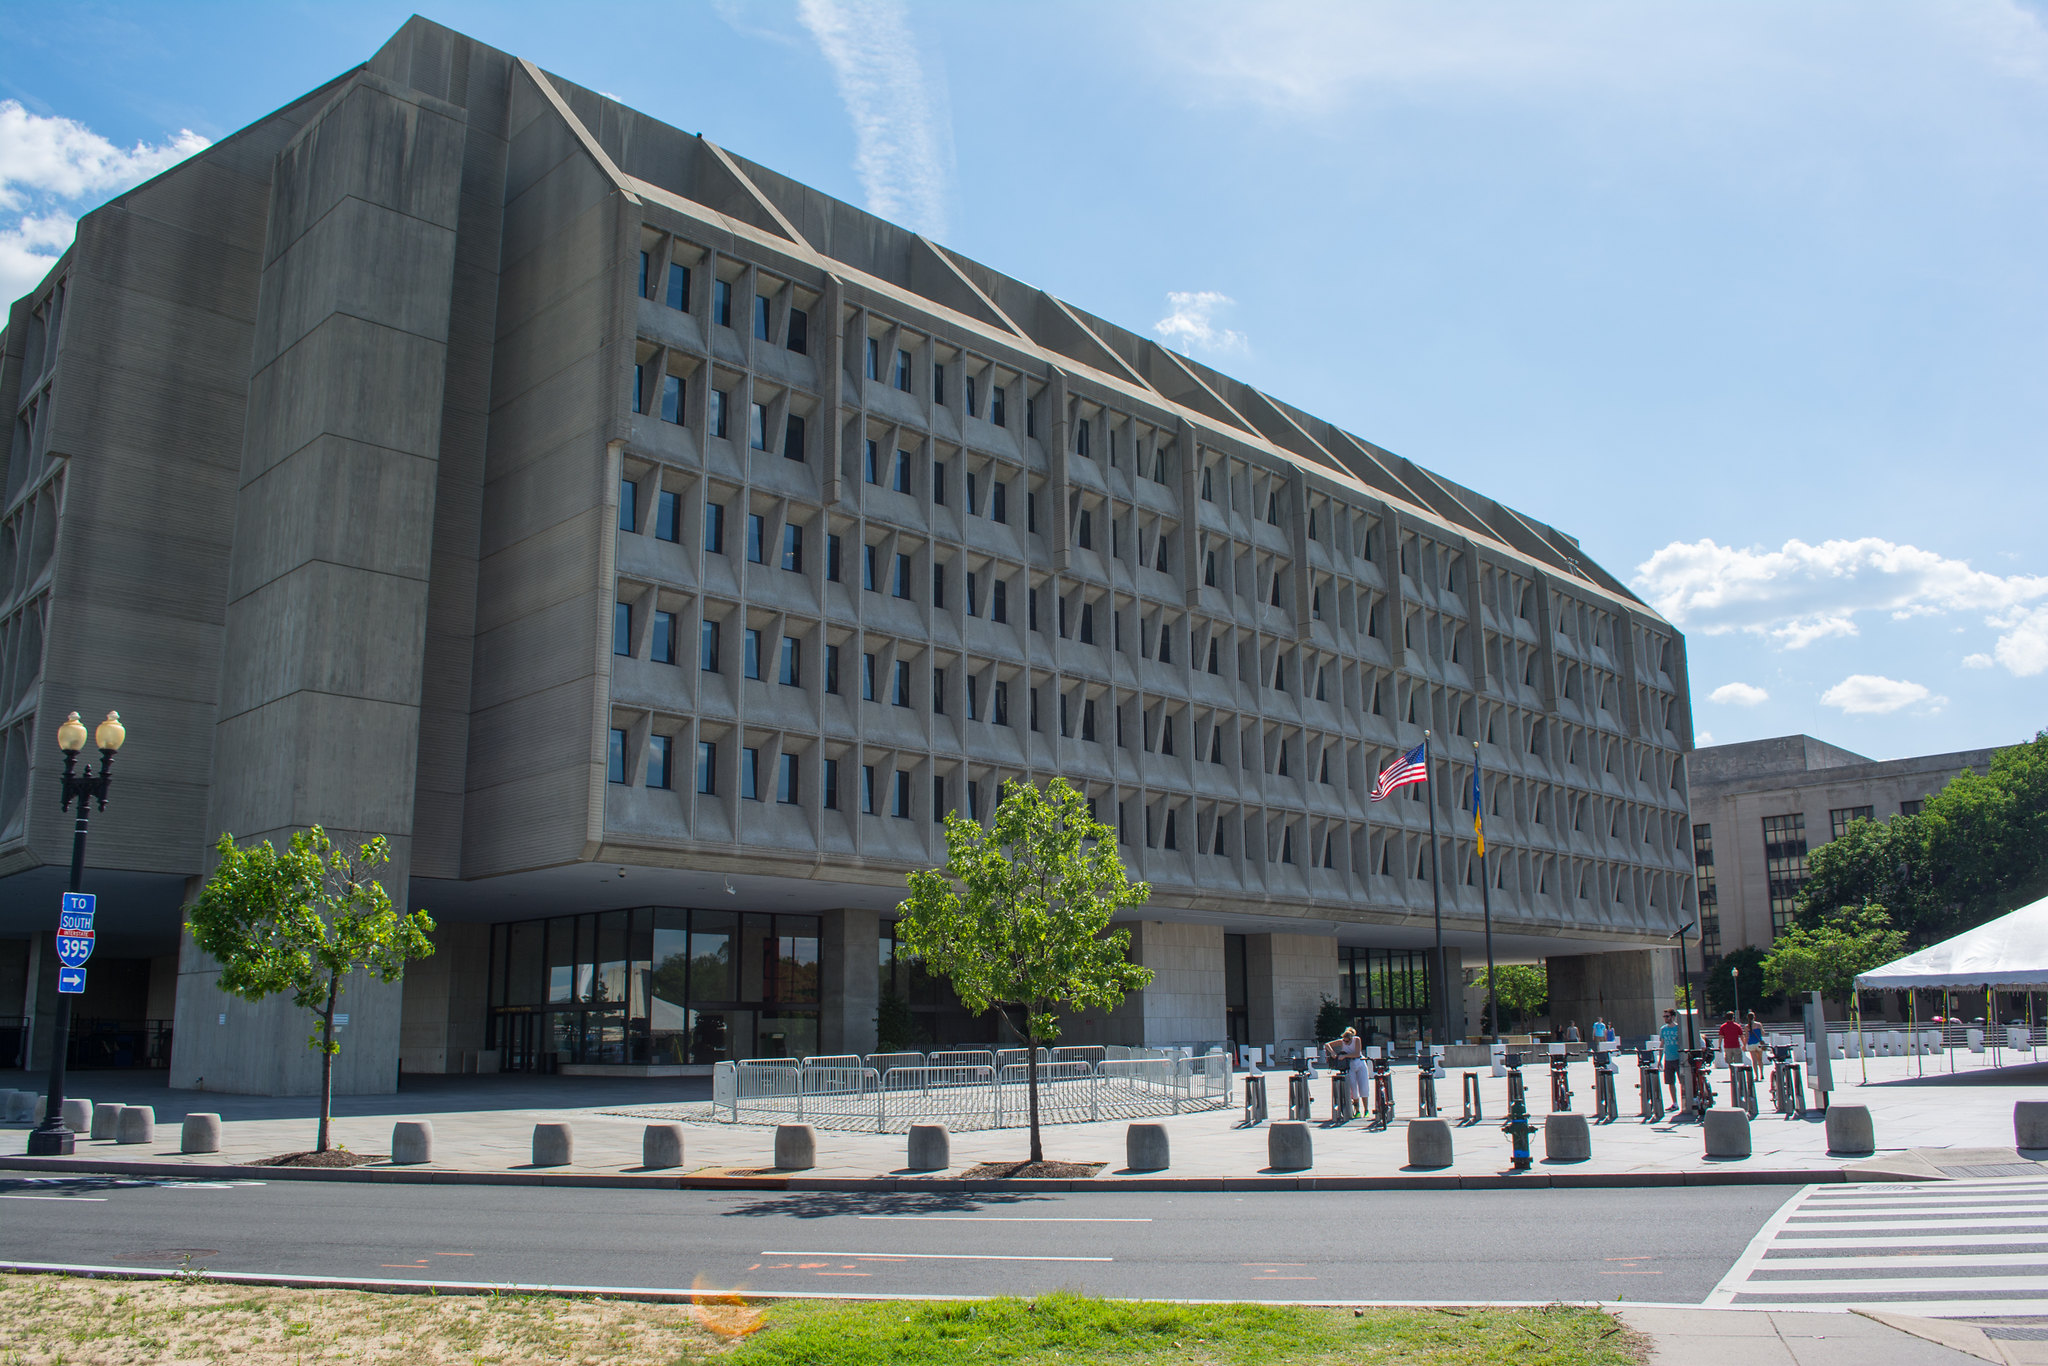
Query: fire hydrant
point(1519, 1130)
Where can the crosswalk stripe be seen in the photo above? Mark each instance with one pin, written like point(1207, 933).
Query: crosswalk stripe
point(1822, 1246)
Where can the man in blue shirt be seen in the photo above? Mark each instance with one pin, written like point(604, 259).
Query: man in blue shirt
point(1670, 1038)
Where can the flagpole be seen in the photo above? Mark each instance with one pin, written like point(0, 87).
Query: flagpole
point(1485, 899)
point(1436, 895)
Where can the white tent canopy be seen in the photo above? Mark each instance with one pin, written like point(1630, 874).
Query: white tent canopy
point(2009, 953)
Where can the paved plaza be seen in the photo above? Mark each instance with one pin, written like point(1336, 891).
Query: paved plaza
point(1929, 1122)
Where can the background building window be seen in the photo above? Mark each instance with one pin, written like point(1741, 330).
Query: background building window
point(615, 757)
point(658, 748)
point(750, 774)
point(787, 790)
point(664, 651)
point(622, 628)
point(1709, 896)
point(750, 655)
point(721, 303)
point(791, 670)
point(665, 516)
point(707, 768)
point(707, 647)
point(714, 528)
point(629, 505)
point(1839, 818)
point(1784, 866)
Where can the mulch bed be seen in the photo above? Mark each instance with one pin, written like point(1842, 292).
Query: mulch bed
point(1007, 1171)
point(334, 1157)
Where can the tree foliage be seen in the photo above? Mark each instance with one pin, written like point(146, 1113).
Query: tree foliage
point(1827, 958)
point(1978, 849)
point(1018, 917)
point(1755, 994)
point(1522, 989)
point(301, 921)
point(895, 1023)
point(1332, 1019)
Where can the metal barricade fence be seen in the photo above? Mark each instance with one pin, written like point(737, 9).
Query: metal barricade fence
point(961, 1057)
point(883, 1062)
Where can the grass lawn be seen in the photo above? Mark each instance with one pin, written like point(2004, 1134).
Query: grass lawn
point(47, 1320)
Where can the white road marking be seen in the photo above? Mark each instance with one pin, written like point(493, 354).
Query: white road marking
point(97, 1199)
point(937, 1256)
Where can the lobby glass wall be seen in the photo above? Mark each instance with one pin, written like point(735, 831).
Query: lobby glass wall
point(1386, 991)
point(653, 985)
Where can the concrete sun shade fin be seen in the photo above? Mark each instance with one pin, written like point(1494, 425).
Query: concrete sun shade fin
point(409, 301)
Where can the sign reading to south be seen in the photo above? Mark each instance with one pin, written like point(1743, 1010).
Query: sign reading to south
point(74, 929)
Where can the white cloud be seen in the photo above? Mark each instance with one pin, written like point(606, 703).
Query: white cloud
point(1874, 695)
point(1802, 593)
point(52, 168)
point(1978, 661)
point(903, 146)
point(1739, 695)
point(1702, 738)
point(1191, 321)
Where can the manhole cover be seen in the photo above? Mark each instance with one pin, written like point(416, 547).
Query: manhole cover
point(177, 1254)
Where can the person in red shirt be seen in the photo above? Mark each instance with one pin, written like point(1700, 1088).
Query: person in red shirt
point(1731, 1040)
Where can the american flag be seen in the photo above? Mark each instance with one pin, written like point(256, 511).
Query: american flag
point(1407, 770)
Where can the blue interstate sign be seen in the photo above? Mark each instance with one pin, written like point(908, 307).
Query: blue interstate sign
point(74, 949)
point(76, 912)
point(70, 981)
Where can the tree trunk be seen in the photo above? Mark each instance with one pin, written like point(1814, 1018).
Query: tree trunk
point(1031, 1063)
point(327, 1061)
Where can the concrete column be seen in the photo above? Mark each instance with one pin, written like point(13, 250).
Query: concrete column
point(1453, 986)
point(41, 1004)
point(1287, 976)
point(850, 981)
point(1631, 988)
point(445, 998)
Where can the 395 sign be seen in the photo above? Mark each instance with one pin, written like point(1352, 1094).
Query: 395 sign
point(74, 929)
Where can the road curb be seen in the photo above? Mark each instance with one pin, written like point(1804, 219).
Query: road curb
point(434, 1176)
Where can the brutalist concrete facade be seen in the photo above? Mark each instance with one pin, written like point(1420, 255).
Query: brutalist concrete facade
point(367, 463)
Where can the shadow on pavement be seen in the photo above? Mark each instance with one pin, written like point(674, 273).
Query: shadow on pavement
point(840, 1204)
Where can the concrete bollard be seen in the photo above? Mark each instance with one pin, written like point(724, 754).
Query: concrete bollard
point(1567, 1138)
point(1727, 1131)
point(1850, 1130)
point(661, 1145)
point(1289, 1146)
point(1146, 1148)
point(554, 1145)
point(201, 1134)
point(137, 1124)
point(7, 1106)
point(2030, 1124)
point(412, 1141)
point(78, 1115)
point(930, 1148)
point(106, 1120)
point(796, 1147)
point(1429, 1143)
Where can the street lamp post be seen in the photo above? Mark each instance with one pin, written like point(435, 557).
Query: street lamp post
point(1735, 976)
point(51, 1138)
point(1685, 973)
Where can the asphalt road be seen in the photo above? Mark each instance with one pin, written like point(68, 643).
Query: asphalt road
point(1662, 1245)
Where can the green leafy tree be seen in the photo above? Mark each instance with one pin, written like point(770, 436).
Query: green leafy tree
point(1331, 1020)
point(1756, 993)
point(1018, 918)
point(301, 921)
point(895, 1025)
point(1826, 959)
point(1521, 989)
point(1976, 850)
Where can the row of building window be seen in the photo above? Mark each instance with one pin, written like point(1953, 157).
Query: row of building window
point(676, 294)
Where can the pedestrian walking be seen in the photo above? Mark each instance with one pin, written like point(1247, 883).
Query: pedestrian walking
point(1756, 1043)
point(1731, 1040)
point(1669, 1037)
point(1571, 1032)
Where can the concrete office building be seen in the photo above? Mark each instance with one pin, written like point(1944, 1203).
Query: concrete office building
point(1760, 806)
point(655, 548)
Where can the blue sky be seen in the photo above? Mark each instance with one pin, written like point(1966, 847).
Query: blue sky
point(1751, 298)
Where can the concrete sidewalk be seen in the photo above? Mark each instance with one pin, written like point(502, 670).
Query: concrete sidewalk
point(1755, 1337)
point(1925, 1127)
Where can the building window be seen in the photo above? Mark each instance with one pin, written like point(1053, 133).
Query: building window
point(832, 557)
point(868, 570)
point(828, 789)
point(639, 388)
point(714, 528)
point(939, 483)
point(899, 692)
point(750, 654)
point(938, 585)
point(874, 358)
point(999, 712)
point(757, 531)
point(763, 317)
point(903, 371)
point(665, 516)
point(938, 692)
point(871, 462)
point(757, 426)
point(787, 790)
point(832, 669)
point(867, 789)
point(721, 303)
point(658, 748)
point(793, 548)
point(790, 668)
point(999, 602)
point(1080, 433)
point(1840, 817)
point(707, 768)
point(973, 594)
point(999, 502)
point(672, 399)
point(970, 396)
point(750, 774)
point(799, 332)
point(901, 479)
point(939, 385)
point(867, 678)
point(1784, 866)
point(901, 586)
point(664, 638)
point(719, 399)
point(899, 805)
point(1709, 897)
point(938, 800)
point(793, 438)
point(707, 647)
point(629, 505)
point(995, 406)
point(622, 628)
point(679, 287)
point(643, 274)
point(615, 757)
point(1911, 807)
point(1084, 530)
